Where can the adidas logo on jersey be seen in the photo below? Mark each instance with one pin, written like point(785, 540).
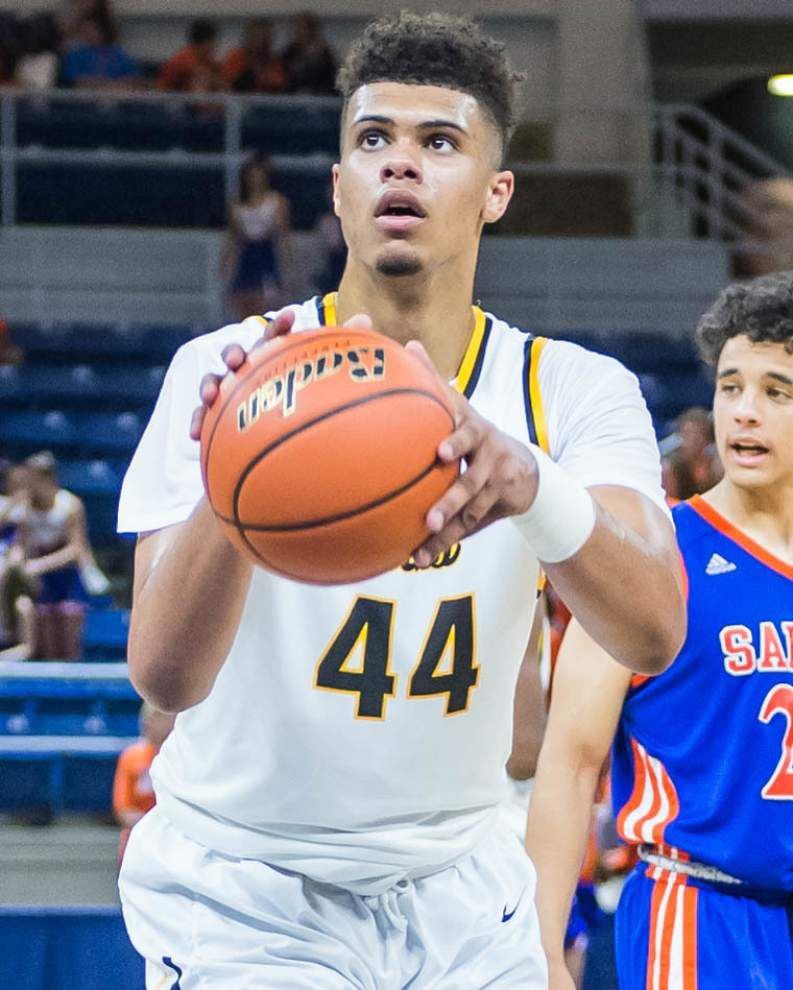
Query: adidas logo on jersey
point(718, 565)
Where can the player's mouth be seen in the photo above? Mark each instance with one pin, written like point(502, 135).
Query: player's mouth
point(398, 212)
point(748, 452)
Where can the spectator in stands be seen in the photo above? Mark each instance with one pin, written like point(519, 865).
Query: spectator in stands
point(254, 67)
point(770, 205)
point(256, 247)
point(97, 61)
point(309, 59)
point(69, 17)
point(133, 794)
point(194, 69)
point(37, 66)
point(54, 539)
point(697, 447)
point(676, 477)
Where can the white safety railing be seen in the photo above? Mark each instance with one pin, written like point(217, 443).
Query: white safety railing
point(707, 168)
point(699, 164)
point(228, 110)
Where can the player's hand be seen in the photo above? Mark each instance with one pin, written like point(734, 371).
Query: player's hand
point(500, 477)
point(233, 356)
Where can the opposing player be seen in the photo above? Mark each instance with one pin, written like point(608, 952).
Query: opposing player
point(293, 843)
point(702, 767)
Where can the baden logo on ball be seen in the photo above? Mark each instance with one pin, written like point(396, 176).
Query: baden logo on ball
point(319, 456)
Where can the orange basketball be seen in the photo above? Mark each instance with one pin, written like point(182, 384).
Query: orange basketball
point(319, 455)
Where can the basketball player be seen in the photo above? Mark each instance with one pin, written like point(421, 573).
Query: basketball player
point(702, 768)
point(295, 845)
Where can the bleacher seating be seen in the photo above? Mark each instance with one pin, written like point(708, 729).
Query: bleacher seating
point(62, 726)
point(86, 392)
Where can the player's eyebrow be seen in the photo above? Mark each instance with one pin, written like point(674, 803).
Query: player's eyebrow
point(777, 376)
point(373, 118)
point(727, 372)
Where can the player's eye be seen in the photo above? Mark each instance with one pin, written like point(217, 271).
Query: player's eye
point(728, 388)
point(779, 393)
point(372, 140)
point(441, 142)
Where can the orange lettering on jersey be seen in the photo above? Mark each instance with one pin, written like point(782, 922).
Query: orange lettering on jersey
point(772, 653)
point(739, 654)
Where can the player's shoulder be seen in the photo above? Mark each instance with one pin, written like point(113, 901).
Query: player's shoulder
point(207, 348)
point(556, 357)
point(691, 530)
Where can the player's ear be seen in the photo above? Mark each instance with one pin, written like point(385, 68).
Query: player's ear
point(335, 175)
point(499, 193)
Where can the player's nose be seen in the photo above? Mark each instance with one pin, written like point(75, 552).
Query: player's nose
point(401, 166)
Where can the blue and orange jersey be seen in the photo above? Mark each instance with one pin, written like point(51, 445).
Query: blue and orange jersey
point(703, 758)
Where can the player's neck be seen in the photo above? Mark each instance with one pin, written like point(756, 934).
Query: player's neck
point(434, 309)
point(764, 514)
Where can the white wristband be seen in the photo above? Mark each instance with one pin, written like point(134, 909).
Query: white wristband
point(562, 516)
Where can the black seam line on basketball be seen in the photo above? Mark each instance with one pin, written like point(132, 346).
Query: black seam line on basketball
point(252, 371)
point(340, 516)
point(480, 359)
point(364, 400)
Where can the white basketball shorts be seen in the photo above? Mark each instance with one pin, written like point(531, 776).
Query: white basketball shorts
point(207, 921)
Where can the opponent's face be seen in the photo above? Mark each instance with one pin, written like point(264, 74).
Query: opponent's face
point(753, 413)
point(418, 177)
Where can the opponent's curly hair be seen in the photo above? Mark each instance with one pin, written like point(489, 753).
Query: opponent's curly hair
point(762, 309)
point(435, 50)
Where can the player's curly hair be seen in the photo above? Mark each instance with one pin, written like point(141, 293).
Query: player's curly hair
point(435, 50)
point(762, 309)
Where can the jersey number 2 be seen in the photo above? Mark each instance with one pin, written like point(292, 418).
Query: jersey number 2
point(446, 666)
point(779, 701)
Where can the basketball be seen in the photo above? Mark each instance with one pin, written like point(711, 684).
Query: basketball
point(319, 454)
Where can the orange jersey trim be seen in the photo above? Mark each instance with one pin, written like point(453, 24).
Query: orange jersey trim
point(723, 525)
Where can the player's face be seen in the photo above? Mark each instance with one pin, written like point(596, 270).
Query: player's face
point(417, 178)
point(753, 413)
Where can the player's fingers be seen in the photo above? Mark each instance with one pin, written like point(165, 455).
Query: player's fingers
point(467, 437)
point(360, 321)
point(196, 422)
point(280, 325)
point(209, 388)
point(439, 543)
point(467, 486)
point(233, 356)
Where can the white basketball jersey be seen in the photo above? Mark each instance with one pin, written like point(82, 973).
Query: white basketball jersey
point(358, 734)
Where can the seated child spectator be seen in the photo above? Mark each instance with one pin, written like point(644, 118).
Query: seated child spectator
point(254, 67)
point(194, 69)
point(309, 59)
point(133, 794)
point(97, 61)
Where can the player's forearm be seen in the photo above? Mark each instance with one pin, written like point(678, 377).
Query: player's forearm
point(186, 613)
point(624, 589)
point(559, 821)
point(69, 554)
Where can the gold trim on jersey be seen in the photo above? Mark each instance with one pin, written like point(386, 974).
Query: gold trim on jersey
point(535, 395)
point(472, 351)
point(329, 306)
